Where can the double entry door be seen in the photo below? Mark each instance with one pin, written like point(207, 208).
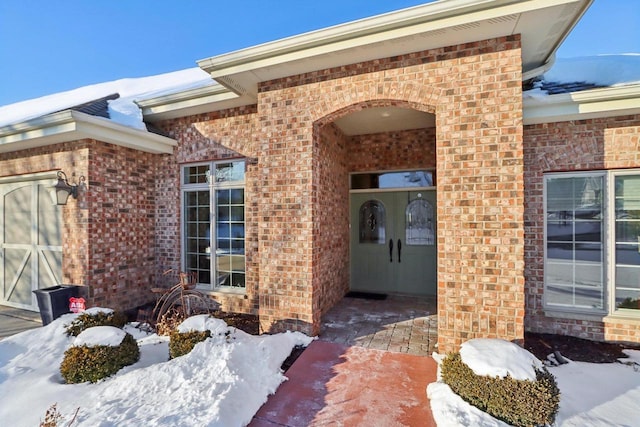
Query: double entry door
point(393, 242)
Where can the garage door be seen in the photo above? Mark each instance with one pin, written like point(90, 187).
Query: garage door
point(30, 241)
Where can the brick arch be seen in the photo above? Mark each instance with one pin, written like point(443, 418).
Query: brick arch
point(325, 117)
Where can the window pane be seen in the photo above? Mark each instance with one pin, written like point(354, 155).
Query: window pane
point(230, 172)
point(407, 179)
point(419, 223)
point(627, 252)
point(574, 268)
point(237, 196)
point(197, 235)
point(237, 213)
point(560, 231)
point(196, 174)
point(223, 213)
point(372, 222)
point(560, 251)
point(230, 237)
point(222, 197)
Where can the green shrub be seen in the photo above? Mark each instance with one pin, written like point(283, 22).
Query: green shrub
point(182, 343)
point(83, 363)
point(516, 402)
point(89, 320)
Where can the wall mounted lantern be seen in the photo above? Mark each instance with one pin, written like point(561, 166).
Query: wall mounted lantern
point(64, 189)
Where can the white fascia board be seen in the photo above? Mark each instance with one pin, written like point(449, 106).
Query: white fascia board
point(190, 102)
point(588, 104)
point(420, 19)
point(72, 125)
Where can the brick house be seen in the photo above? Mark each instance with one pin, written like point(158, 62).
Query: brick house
point(391, 154)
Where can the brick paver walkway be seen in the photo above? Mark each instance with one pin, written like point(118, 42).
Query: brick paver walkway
point(398, 323)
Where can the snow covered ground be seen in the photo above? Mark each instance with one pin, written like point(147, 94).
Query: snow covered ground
point(222, 382)
point(591, 394)
point(225, 380)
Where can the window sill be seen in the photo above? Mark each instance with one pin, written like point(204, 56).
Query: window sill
point(633, 319)
point(573, 315)
point(225, 292)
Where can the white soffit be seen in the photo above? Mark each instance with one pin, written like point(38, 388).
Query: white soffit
point(73, 125)
point(588, 104)
point(384, 119)
point(543, 24)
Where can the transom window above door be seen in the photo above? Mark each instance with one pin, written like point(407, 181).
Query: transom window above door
point(214, 224)
point(393, 180)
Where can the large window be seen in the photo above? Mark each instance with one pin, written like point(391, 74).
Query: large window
point(214, 224)
point(585, 269)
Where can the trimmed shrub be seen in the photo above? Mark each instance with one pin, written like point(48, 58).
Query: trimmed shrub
point(101, 318)
point(516, 402)
point(83, 363)
point(182, 343)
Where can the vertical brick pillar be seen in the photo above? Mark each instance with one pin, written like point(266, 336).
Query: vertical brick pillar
point(481, 201)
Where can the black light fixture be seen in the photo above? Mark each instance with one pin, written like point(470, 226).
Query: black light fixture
point(64, 189)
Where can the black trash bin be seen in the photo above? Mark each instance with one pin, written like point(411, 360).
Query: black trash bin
point(53, 302)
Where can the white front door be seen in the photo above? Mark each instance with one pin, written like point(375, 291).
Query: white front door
point(30, 242)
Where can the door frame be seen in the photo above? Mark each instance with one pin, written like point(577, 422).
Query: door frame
point(388, 190)
point(35, 250)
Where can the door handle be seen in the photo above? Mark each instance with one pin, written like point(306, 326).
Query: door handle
point(390, 250)
point(399, 250)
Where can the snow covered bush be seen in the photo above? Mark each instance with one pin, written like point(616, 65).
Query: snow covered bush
point(95, 317)
point(181, 343)
point(196, 329)
point(97, 353)
point(524, 396)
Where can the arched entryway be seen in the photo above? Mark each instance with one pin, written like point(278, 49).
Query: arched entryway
point(378, 163)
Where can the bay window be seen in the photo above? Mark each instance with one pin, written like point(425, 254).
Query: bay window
point(214, 224)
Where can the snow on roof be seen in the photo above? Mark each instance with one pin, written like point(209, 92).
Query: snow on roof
point(122, 110)
point(601, 70)
point(595, 71)
point(586, 72)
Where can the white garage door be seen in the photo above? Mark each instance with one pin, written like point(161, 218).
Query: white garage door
point(30, 241)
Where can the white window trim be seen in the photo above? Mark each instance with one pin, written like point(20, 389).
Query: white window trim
point(574, 310)
point(609, 312)
point(210, 186)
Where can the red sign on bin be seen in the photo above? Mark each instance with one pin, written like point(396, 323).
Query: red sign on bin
point(76, 305)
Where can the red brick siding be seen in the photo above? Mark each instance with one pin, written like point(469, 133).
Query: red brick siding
point(411, 149)
point(122, 209)
point(475, 91)
point(108, 239)
point(72, 158)
point(331, 220)
point(214, 136)
point(596, 144)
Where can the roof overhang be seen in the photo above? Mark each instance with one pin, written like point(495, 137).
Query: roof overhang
point(195, 101)
point(543, 24)
point(72, 125)
point(588, 104)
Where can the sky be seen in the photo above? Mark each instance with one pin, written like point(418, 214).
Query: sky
point(54, 46)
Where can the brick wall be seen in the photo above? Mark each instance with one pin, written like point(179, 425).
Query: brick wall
point(596, 144)
point(73, 159)
point(475, 91)
point(108, 236)
point(331, 220)
point(121, 208)
point(221, 135)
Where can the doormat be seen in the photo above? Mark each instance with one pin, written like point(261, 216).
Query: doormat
point(366, 295)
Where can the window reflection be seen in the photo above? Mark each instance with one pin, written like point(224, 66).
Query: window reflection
point(372, 222)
